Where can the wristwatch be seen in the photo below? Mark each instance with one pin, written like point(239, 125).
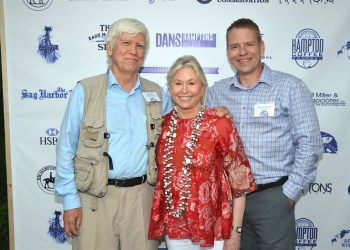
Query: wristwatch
point(237, 229)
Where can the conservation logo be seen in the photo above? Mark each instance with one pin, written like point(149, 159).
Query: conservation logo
point(46, 49)
point(306, 234)
point(329, 143)
point(307, 48)
point(46, 179)
point(56, 230)
point(38, 5)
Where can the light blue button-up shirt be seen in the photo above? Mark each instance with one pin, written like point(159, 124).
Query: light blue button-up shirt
point(126, 124)
point(277, 122)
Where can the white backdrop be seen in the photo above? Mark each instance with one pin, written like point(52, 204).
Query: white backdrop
point(69, 34)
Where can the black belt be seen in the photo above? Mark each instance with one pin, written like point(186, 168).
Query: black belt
point(127, 182)
point(262, 187)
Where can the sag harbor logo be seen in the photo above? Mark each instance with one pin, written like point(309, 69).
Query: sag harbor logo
point(38, 5)
point(329, 143)
point(41, 94)
point(46, 179)
point(46, 49)
point(306, 234)
point(307, 48)
point(56, 230)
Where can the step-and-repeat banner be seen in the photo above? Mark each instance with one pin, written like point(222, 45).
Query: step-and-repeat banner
point(48, 45)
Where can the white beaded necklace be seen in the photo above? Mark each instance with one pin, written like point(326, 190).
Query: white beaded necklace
point(186, 170)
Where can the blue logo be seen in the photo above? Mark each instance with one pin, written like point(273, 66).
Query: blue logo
point(204, 1)
point(306, 234)
point(51, 139)
point(307, 48)
point(46, 49)
point(327, 99)
point(349, 189)
point(56, 231)
point(46, 179)
point(204, 40)
point(52, 132)
point(38, 5)
point(59, 93)
point(340, 237)
point(330, 144)
point(164, 70)
point(306, 1)
point(344, 48)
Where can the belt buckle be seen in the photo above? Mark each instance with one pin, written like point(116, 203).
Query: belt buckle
point(119, 181)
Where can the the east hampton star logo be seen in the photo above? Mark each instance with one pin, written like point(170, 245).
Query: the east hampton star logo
point(46, 49)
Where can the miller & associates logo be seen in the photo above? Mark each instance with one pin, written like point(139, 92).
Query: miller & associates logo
point(329, 143)
point(307, 48)
point(306, 234)
point(46, 49)
point(56, 230)
point(38, 5)
point(46, 179)
point(328, 99)
point(342, 238)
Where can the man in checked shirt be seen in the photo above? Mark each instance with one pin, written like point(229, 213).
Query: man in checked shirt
point(276, 119)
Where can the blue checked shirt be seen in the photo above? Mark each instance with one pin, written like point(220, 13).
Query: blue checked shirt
point(126, 124)
point(277, 122)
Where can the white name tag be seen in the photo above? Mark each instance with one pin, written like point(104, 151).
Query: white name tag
point(264, 109)
point(151, 96)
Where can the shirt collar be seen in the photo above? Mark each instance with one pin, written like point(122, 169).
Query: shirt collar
point(112, 81)
point(264, 78)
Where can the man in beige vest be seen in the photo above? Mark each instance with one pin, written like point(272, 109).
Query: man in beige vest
point(105, 153)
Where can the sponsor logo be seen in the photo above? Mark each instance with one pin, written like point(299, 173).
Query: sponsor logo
point(306, 1)
point(99, 38)
point(327, 99)
point(41, 94)
point(204, 40)
point(46, 49)
point(38, 5)
point(204, 1)
point(306, 234)
point(164, 70)
point(344, 48)
point(307, 48)
point(342, 238)
point(46, 179)
point(51, 139)
point(56, 230)
point(323, 188)
point(330, 144)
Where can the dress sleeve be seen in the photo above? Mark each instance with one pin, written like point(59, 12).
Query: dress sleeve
point(235, 161)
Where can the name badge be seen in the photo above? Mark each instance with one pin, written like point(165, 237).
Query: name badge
point(264, 109)
point(151, 96)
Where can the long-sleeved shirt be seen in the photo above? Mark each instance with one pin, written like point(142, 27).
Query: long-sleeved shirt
point(278, 124)
point(126, 124)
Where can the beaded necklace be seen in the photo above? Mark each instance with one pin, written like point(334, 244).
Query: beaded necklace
point(186, 167)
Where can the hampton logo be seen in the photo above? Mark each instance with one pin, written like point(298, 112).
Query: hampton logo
point(46, 179)
point(306, 234)
point(330, 144)
point(344, 48)
point(328, 99)
point(46, 49)
point(41, 94)
point(342, 238)
point(307, 1)
point(99, 38)
point(51, 139)
point(56, 230)
point(38, 5)
point(204, 40)
point(316, 188)
point(307, 48)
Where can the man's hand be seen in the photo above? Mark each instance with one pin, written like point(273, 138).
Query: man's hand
point(234, 243)
point(222, 110)
point(72, 221)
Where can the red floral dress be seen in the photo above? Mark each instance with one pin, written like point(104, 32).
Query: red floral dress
point(220, 172)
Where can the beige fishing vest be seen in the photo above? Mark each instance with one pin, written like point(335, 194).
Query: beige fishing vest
point(92, 160)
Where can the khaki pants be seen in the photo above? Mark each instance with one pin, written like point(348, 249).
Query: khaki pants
point(120, 221)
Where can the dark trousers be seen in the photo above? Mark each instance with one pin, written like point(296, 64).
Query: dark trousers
point(269, 222)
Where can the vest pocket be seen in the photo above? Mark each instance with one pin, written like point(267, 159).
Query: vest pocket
point(84, 173)
point(93, 134)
